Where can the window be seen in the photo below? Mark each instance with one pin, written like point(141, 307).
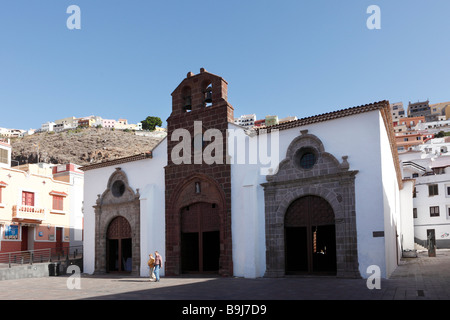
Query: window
point(414, 192)
point(58, 203)
point(305, 158)
point(415, 175)
point(307, 161)
point(448, 190)
point(434, 211)
point(28, 198)
point(414, 213)
point(433, 190)
point(118, 188)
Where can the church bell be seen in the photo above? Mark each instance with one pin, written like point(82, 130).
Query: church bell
point(187, 103)
point(208, 95)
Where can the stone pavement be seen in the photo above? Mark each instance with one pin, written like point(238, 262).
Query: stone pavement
point(422, 278)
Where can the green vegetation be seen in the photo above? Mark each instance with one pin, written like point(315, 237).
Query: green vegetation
point(442, 134)
point(151, 122)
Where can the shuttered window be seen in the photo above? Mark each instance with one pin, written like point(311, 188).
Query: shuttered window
point(58, 203)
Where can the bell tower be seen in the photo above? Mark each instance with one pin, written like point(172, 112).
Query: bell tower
point(199, 92)
point(198, 194)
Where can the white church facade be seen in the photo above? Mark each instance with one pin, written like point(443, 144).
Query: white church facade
point(318, 195)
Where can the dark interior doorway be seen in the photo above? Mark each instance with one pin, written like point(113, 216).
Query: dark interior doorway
point(24, 243)
point(200, 238)
point(119, 246)
point(59, 241)
point(310, 237)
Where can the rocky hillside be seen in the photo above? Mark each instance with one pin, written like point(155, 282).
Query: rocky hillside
point(81, 146)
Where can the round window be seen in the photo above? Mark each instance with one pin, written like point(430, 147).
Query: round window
point(305, 158)
point(118, 188)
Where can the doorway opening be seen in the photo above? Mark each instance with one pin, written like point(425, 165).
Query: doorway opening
point(310, 237)
point(119, 246)
point(24, 243)
point(200, 238)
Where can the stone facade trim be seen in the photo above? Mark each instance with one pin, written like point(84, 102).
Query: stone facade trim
point(107, 208)
point(328, 179)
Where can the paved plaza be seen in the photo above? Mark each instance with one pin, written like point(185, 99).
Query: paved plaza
point(422, 278)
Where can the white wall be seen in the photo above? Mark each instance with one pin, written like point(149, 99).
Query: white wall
point(407, 220)
point(247, 220)
point(391, 197)
point(147, 176)
point(76, 208)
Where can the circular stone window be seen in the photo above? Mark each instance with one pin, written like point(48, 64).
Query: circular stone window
point(118, 188)
point(305, 158)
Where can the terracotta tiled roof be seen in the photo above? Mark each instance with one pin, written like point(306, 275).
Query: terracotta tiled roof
point(3, 184)
point(136, 157)
point(328, 116)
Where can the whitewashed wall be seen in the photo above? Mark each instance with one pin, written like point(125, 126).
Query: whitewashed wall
point(361, 138)
point(147, 176)
point(391, 196)
point(407, 220)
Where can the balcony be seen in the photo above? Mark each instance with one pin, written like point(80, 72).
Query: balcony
point(23, 212)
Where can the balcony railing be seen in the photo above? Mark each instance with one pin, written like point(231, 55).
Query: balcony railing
point(10, 259)
point(23, 212)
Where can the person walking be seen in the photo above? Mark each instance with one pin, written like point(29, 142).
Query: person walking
point(151, 265)
point(158, 265)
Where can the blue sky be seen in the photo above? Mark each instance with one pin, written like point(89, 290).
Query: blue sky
point(282, 57)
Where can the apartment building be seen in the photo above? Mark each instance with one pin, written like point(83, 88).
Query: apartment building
point(40, 205)
point(431, 198)
point(246, 121)
point(397, 111)
point(420, 108)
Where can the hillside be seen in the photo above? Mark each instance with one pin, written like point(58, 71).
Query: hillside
point(81, 146)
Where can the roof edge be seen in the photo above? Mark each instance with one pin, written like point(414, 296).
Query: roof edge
point(136, 157)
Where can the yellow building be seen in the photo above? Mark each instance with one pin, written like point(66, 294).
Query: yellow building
point(40, 205)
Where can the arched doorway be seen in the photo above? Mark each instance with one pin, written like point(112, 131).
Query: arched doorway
point(310, 237)
point(200, 238)
point(119, 246)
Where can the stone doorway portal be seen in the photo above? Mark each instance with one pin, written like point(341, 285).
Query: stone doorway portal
point(117, 227)
point(311, 180)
